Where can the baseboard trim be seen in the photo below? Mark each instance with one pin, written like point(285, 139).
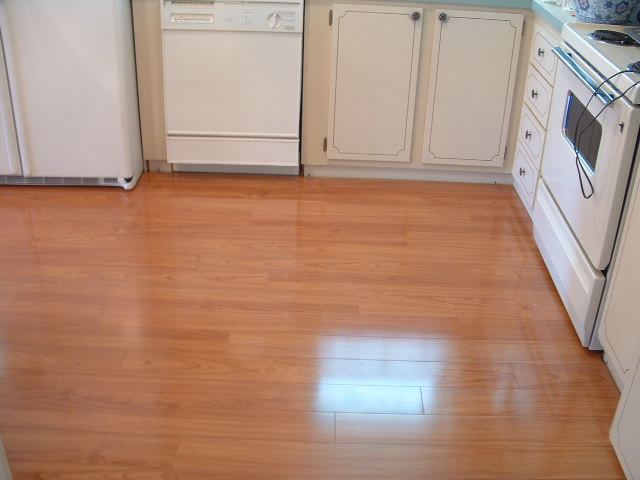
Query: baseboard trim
point(159, 166)
point(613, 371)
point(503, 178)
point(249, 169)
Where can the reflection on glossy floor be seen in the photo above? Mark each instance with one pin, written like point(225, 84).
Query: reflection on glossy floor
point(221, 327)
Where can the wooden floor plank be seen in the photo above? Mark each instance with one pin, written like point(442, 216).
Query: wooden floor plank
point(252, 425)
point(233, 459)
point(543, 376)
point(472, 430)
point(324, 319)
point(207, 367)
point(414, 349)
point(159, 394)
point(299, 345)
point(562, 401)
point(72, 454)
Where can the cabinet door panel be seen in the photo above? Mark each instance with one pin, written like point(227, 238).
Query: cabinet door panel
point(472, 76)
point(375, 64)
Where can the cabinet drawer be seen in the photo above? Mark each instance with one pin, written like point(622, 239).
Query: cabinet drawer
point(538, 96)
point(541, 55)
point(524, 172)
point(532, 136)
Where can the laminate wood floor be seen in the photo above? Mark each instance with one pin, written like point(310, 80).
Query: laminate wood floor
point(240, 327)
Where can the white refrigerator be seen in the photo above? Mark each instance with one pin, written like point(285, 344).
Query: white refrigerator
point(68, 93)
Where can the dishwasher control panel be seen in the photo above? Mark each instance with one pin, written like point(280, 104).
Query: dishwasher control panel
point(271, 17)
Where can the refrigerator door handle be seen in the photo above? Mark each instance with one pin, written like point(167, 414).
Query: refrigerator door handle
point(14, 86)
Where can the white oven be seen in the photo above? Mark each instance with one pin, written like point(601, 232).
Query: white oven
point(589, 151)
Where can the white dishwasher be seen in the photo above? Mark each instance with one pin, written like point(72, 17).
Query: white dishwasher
point(233, 80)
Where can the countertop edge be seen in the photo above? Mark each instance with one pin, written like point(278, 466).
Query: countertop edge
point(554, 15)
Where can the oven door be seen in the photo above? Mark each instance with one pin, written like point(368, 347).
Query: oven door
point(605, 146)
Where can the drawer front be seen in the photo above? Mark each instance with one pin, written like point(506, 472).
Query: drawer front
point(232, 151)
point(542, 57)
point(524, 172)
point(532, 137)
point(538, 96)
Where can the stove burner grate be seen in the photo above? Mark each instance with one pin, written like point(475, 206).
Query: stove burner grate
point(613, 37)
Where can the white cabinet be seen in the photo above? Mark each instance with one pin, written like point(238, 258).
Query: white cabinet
point(473, 71)
point(625, 431)
point(9, 157)
point(620, 325)
point(375, 56)
point(535, 112)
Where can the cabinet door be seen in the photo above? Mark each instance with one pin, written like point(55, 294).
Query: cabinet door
point(620, 325)
point(9, 157)
point(473, 71)
point(373, 82)
point(625, 431)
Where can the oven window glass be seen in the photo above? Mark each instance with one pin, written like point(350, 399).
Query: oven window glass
point(589, 132)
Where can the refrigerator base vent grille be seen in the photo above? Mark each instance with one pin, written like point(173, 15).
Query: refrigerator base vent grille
point(69, 181)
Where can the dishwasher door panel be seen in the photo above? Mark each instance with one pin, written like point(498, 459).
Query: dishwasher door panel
point(232, 83)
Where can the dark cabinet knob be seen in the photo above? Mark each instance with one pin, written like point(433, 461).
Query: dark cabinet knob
point(541, 52)
point(527, 134)
point(522, 172)
point(443, 17)
point(415, 16)
point(534, 94)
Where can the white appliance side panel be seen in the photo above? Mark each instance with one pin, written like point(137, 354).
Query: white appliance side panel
point(375, 55)
point(9, 156)
point(594, 221)
point(72, 71)
point(472, 78)
point(129, 106)
point(5, 471)
point(579, 284)
point(232, 83)
point(625, 431)
point(620, 325)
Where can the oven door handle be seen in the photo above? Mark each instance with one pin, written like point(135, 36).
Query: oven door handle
point(579, 72)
